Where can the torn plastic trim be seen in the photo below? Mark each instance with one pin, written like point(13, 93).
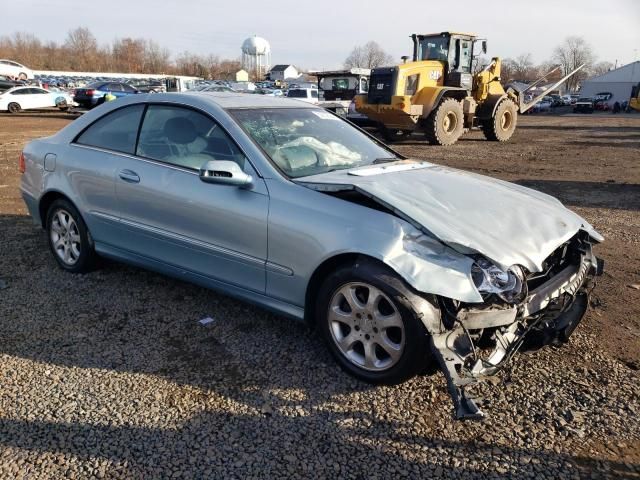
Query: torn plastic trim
point(457, 355)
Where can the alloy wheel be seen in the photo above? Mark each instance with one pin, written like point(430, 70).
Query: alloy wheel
point(366, 326)
point(65, 237)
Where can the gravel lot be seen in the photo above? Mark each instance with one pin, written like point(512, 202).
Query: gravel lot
point(110, 375)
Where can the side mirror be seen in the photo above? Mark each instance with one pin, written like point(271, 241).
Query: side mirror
point(224, 172)
point(484, 46)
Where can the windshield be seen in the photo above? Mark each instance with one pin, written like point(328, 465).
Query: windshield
point(434, 48)
point(309, 141)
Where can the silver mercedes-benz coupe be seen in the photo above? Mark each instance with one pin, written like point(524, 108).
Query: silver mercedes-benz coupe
point(398, 263)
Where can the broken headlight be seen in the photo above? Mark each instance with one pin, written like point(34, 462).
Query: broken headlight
point(488, 278)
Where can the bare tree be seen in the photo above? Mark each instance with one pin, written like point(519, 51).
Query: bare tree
point(572, 53)
point(156, 58)
point(601, 68)
point(369, 55)
point(520, 68)
point(82, 48)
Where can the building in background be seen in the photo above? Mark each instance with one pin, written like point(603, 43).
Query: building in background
point(618, 83)
point(284, 72)
point(242, 76)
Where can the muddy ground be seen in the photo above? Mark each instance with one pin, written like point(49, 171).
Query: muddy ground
point(110, 375)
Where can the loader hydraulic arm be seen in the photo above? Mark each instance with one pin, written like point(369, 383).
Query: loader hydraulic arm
point(487, 81)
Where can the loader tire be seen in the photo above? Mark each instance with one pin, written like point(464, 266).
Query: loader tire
point(445, 124)
point(501, 126)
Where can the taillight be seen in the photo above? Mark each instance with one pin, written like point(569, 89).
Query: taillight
point(21, 164)
point(89, 92)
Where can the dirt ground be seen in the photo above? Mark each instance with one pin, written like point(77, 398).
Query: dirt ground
point(590, 162)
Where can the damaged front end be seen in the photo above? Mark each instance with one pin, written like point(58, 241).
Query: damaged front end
point(521, 311)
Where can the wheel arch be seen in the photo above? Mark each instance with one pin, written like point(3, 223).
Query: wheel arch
point(488, 108)
point(47, 200)
point(430, 98)
point(424, 303)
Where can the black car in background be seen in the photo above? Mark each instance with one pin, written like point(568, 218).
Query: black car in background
point(583, 105)
point(93, 94)
point(6, 83)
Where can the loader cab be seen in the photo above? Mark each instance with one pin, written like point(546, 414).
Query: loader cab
point(453, 50)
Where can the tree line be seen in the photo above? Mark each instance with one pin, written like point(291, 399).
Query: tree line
point(81, 52)
point(570, 54)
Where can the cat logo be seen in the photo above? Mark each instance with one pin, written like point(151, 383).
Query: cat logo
point(380, 86)
point(435, 74)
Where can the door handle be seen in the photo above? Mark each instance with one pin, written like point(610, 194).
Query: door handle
point(129, 176)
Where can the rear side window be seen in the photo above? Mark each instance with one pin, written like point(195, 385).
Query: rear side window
point(115, 131)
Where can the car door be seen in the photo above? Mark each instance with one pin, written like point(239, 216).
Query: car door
point(171, 216)
point(96, 156)
point(116, 89)
point(41, 98)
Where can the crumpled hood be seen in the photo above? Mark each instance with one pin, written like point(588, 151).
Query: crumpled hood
point(507, 223)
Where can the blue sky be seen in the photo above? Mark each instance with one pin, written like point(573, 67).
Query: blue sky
point(319, 34)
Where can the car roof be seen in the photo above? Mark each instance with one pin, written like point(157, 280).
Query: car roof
point(228, 100)
point(20, 87)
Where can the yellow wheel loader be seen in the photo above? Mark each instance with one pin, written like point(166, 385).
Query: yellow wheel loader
point(634, 101)
point(438, 94)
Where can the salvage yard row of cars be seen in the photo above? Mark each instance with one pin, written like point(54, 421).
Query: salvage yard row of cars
point(398, 263)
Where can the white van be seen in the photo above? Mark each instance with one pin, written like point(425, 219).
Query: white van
point(309, 95)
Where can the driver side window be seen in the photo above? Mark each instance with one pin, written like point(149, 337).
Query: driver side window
point(185, 138)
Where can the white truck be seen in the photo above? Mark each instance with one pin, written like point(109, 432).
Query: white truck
point(336, 88)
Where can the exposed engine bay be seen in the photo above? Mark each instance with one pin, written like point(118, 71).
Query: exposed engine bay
point(475, 341)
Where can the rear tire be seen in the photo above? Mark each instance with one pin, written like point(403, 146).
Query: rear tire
point(501, 127)
point(445, 124)
point(69, 239)
point(14, 107)
point(374, 334)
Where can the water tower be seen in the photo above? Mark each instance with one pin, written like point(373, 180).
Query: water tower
point(256, 56)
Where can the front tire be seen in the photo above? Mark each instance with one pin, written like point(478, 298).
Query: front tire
point(369, 326)
point(14, 107)
point(501, 127)
point(445, 124)
point(69, 239)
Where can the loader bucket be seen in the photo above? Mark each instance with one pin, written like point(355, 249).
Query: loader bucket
point(524, 106)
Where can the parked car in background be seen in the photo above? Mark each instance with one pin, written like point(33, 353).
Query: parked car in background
point(25, 98)
point(396, 261)
point(543, 105)
point(93, 94)
point(216, 88)
point(566, 99)
point(6, 83)
point(309, 95)
point(13, 69)
point(358, 118)
point(556, 100)
point(574, 98)
point(583, 105)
